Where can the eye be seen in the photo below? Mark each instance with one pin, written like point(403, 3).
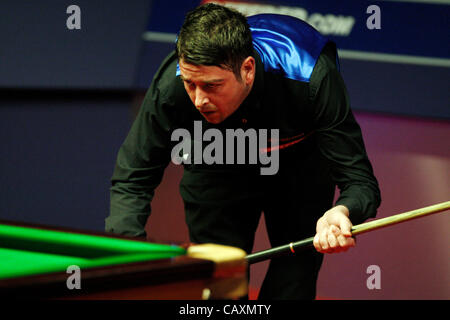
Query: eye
point(189, 84)
point(211, 86)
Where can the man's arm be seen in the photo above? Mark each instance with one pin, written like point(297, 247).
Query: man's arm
point(340, 141)
point(140, 165)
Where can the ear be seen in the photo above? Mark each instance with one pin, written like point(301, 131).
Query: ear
point(248, 70)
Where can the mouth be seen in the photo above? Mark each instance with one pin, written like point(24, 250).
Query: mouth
point(210, 116)
point(207, 108)
point(207, 111)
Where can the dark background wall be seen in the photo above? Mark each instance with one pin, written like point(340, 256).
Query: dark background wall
point(65, 105)
point(68, 98)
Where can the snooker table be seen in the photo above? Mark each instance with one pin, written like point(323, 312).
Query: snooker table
point(37, 262)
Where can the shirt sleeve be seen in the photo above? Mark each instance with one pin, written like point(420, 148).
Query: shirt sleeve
point(139, 168)
point(340, 141)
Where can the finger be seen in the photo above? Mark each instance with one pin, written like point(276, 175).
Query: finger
point(316, 242)
point(332, 241)
point(342, 240)
point(323, 240)
point(335, 230)
point(345, 242)
point(351, 242)
point(346, 227)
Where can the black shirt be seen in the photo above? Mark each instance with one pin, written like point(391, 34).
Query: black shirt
point(318, 110)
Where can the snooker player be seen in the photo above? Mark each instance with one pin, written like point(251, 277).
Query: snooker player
point(264, 71)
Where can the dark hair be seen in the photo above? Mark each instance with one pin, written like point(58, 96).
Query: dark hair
point(214, 35)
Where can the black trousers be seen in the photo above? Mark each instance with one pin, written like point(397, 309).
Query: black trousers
point(224, 205)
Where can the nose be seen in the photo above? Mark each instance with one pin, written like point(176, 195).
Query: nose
point(201, 98)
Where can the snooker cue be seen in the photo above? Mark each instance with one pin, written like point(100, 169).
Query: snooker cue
point(358, 229)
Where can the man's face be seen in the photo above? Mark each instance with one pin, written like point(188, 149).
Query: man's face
point(215, 92)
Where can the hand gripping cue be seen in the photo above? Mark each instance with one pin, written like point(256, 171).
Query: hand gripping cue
point(358, 229)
